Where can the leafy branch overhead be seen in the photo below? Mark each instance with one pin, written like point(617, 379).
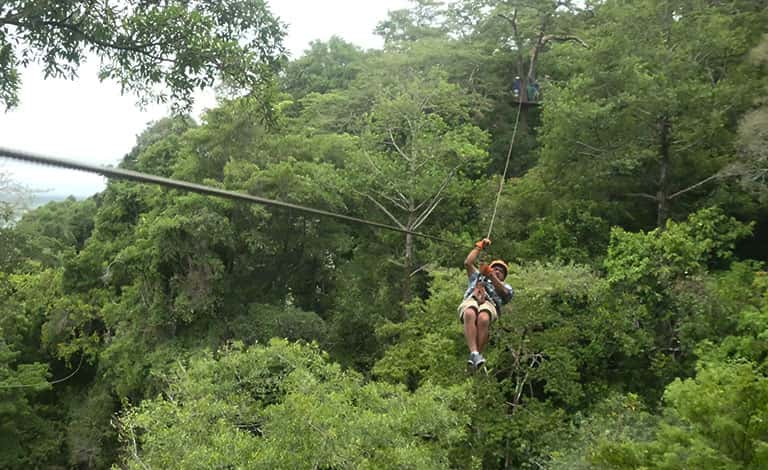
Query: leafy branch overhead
point(159, 50)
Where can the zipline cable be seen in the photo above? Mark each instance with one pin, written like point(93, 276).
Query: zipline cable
point(506, 167)
point(52, 382)
point(121, 173)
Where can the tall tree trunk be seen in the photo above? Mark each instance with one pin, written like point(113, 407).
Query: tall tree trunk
point(408, 261)
point(662, 195)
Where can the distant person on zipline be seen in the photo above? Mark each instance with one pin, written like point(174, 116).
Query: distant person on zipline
point(485, 295)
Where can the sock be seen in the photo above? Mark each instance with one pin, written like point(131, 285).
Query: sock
point(474, 352)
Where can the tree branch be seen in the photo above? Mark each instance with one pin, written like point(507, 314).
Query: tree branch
point(694, 186)
point(373, 164)
point(532, 65)
point(420, 268)
point(512, 21)
point(425, 215)
point(141, 49)
point(442, 186)
point(643, 195)
point(589, 146)
point(563, 38)
point(392, 200)
point(135, 450)
point(435, 200)
point(384, 209)
point(392, 141)
point(518, 42)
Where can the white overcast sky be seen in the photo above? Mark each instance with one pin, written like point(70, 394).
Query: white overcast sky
point(90, 121)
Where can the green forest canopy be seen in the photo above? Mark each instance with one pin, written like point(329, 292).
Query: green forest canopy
point(206, 333)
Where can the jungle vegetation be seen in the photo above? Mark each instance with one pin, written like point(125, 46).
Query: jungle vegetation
point(147, 328)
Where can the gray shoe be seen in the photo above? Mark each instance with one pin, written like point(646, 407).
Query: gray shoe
point(472, 359)
point(476, 359)
point(479, 360)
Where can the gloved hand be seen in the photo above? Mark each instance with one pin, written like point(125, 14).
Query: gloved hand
point(483, 244)
point(485, 269)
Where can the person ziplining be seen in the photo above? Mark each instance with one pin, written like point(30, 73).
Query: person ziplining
point(485, 295)
point(486, 291)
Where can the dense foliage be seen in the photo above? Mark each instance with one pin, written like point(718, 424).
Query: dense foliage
point(146, 328)
point(161, 50)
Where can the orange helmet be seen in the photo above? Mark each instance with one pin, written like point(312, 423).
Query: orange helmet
point(501, 264)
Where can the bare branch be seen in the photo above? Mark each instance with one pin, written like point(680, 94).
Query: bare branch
point(410, 125)
point(399, 150)
point(441, 188)
point(424, 103)
point(534, 58)
point(516, 33)
point(421, 268)
point(405, 200)
point(589, 146)
point(519, 386)
point(384, 209)
point(685, 147)
point(643, 195)
point(392, 200)
point(435, 200)
point(512, 21)
point(426, 214)
point(563, 38)
point(696, 185)
point(135, 449)
point(373, 164)
point(589, 154)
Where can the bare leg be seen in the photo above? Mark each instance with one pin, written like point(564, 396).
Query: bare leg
point(470, 328)
point(483, 329)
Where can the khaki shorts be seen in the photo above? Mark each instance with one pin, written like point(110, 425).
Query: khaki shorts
point(486, 306)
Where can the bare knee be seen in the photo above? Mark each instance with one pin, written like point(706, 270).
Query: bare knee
point(483, 319)
point(470, 315)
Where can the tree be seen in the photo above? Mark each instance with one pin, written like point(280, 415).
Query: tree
point(421, 21)
point(324, 67)
point(753, 136)
point(56, 229)
point(31, 425)
point(528, 30)
point(649, 110)
point(753, 167)
point(204, 269)
point(614, 420)
point(668, 270)
point(13, 198)
point(488, 44)
point(417, 147)
point(714, 420)
point(160, 50)
point(285, 405)
point(26, 439)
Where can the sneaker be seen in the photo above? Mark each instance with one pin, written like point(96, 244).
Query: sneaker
point(472, 358)
point(479, 360)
